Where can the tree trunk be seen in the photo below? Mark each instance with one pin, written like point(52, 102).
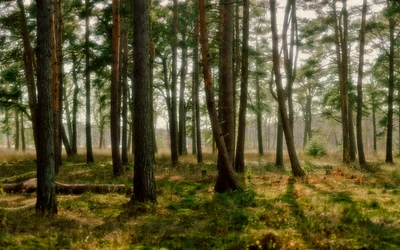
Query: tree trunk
point(279, 142)
point(144, 185)
point(227, 177)
point(115, 92)
point(17, 131)
point(88, 126)
point(226, 90)
point(65, 141)
point(196, 84)
point(174, 81)
point(125, 92)
point(239, 160)
point(75, 102)
point(259, 111)
point(182, 109)
point(389, 130)
point(360, 146)
point(46, 198)
point(23, 143)
point(296, 168)
point(56, 81)
point(29, 70)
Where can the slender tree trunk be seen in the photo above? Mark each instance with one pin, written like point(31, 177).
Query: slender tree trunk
point(115, 92)
point(259, 113)
point(352, 136)
point(46, 204)
point(230, 181)
point(239, 160)
point(89, 148)
point(29, 70)
point(374, 125)
point(360, 146)
point(57, 81)
point(341, 54)
point(389, 130)
point(196, 83)
point(279, 141)
point(67, 116)
point(23, 143)
point(125, 91)
point(144, 186)
point(182, 106)
point(75, 102)
point(296, 168)
point(65, 141)
point(174, 80)
point(17, 131)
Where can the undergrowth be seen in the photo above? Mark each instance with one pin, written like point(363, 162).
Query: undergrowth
point(334, 207)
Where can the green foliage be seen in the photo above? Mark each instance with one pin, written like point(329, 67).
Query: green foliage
point(315, 148)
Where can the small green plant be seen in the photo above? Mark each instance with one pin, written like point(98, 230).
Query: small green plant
point(315, 148)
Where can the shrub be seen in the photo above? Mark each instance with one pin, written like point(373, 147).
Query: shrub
point(315, 148)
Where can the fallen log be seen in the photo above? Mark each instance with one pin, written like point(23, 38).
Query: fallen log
point(29, 186)
point(19, 178)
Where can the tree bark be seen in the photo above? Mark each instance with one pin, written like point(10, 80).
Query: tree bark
point(125, 91)
point(196, 84)
point(182, 150)
point(228, 180)
point(360, 146)
point(17, 131)
point(65, 141)
point(88, 126)
point(226, 89)
point(342, 63)
point(174, 81)
point(296, 168)
point(144, 185)
point(29, 70)
point(46, 198)
point(115, 92)
point(75, 102)
point(239, 160)
point(389, 130)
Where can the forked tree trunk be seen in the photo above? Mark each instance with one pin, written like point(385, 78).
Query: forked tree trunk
point(239, 160)
point(74, 137)
point(296, 168)
point(46, 197)
point(228, 180)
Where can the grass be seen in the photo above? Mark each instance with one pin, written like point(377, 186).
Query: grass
point(334, 207)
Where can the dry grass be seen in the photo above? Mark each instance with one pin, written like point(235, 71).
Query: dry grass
point(334, 207)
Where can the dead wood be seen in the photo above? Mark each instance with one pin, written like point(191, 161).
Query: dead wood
point(30, 186)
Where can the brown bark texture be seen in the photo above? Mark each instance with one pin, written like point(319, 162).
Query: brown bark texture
point(230, 181)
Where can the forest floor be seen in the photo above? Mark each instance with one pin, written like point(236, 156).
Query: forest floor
point(334, 207)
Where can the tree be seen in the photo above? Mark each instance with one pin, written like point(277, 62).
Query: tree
point(239, 160)
point(296, 168)
point(227, 179)
point(360, 146)
point(46, 198)
point(174, 82)
point(196, 129)
point(88, 126)
point(144, 186)
point(226, 85)
point(115, 91)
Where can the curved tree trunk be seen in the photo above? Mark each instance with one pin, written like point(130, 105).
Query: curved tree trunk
point(296, 168)
point(226, 173)
point(239, 160)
